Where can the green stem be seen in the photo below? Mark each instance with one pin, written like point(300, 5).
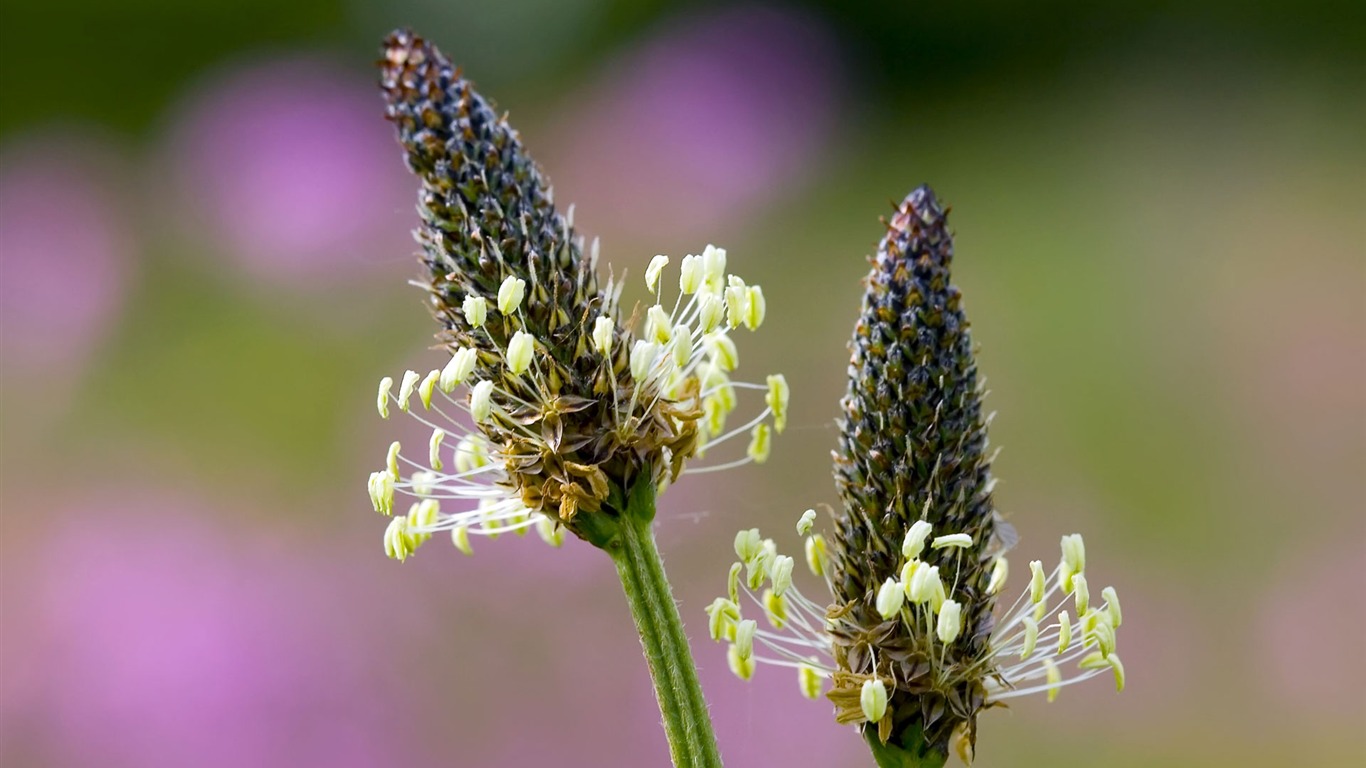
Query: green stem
point(687, 724)
point(911, 754)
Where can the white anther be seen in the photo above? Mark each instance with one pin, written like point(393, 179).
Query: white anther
point(657, 265)
point(481, 401)
point(476, 309)
point(510, 294)
point(519, 352)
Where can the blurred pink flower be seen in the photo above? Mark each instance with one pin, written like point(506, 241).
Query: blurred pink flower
point(144, 635)
point(1310, 633)
point(64, 255)
point(291, 164)
point(714, 116)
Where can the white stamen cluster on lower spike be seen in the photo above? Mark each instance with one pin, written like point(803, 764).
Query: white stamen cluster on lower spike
point(1028, 649)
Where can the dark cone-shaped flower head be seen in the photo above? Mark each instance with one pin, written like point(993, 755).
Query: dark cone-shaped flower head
point(909, 646)
point(570, 410)
point(913, 443)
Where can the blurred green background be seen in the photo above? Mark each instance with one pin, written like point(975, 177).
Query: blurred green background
point(203, 248)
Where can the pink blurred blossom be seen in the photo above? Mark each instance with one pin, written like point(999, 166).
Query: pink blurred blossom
point(1309, 634)
point(710, 118)
point(145, 635)
point(64, 255)
point(291, 164)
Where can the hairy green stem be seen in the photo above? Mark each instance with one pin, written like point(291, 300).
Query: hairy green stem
point(687, 723)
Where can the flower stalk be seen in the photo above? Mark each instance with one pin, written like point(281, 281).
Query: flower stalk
point(687, 723)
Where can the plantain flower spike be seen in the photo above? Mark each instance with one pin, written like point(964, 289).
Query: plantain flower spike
point(918, 519)
point(546, 413)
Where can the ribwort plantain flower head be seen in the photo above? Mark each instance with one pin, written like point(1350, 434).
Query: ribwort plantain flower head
point(551, 408)
point(910, 646)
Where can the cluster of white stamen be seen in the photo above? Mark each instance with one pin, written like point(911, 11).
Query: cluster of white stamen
point(684, 353)
point(689, 343)
point(1038, 637)
point(1027, 651)
point(797, 638)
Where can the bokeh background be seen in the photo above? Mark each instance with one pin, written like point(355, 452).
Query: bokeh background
point(203, 248)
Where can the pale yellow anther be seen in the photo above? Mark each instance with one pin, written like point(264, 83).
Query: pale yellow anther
point(643, 357)
point(908, 574)
point(520, 349)
point(737, 302)
point(999, 572)
point(1037, 582)
point(760, 443)
point(781, 574)
point(652, 272)
point(1112, 605)
point(890, 597)
point(714, 267)
point(471, 453)
point(1118, 667)
point(1053, 676)
point(405, 389)
point(1104, 637)
point(424, 515)
point(914, 543)
point(775, 608)
point(759, 565)
point(460, 537)
point(682, 345)
point(1064, 631)
point(434, 448)
point(873, 700)
point(721, 617)
point(806, 522)
point(603, 330)
point(711, 310)
point(658, 326)
point(809, 680)
point(1073, 560)
point(742, 667)
point(424, 390)
point(510, 294)
point(755, 307)
point(927, 587)
point(481, 401)
point(951, 540)
point(476, 309)
point(397, 544)
point(1074, 552)
point(776, 398)
point(817, 556)
point(382, 399)
point(950, 622)
point(721, 350)
point(690, 274)
point(744, 637)
point(1081, 592)
point(1094, 660)
point(733, 581)
point(424, 483)
point(381, 487)
point(459, 368)
point(391, 461)
point(1031, 637)
point(748, 543)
